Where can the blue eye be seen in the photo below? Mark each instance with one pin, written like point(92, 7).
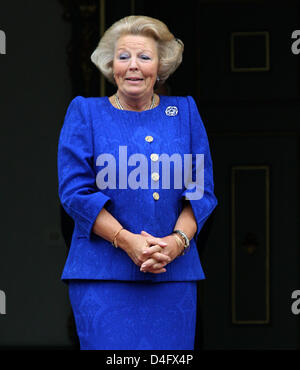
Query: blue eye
point(123, 56)
point(145, 57)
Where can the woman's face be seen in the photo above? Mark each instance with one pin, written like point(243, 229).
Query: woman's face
point(135, 65)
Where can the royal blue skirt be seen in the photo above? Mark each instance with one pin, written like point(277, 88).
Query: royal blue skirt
point(117, 315)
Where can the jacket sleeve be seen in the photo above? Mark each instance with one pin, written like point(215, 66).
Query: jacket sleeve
point(199, 186)
point(77, 188)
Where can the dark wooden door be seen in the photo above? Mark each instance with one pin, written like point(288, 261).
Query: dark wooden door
point(248, 95)
point(251, 258)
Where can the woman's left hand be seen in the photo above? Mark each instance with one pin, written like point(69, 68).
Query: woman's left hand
point(153, 262)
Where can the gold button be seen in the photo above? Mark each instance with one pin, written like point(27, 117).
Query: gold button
point(149, 138)
point(154, 157)
point(155, 195)
point(155, 176)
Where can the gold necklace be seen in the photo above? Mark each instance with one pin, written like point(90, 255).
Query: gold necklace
point(120, 106)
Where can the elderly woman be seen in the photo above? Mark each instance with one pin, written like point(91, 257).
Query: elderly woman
point(135, 174)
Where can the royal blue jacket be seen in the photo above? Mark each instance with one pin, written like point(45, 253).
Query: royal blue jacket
point(93, 131)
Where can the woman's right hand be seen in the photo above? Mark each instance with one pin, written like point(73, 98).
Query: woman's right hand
point(135, 245)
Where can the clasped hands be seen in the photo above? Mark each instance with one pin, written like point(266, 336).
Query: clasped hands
point(155, 253)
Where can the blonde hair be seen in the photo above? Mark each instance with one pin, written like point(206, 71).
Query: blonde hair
point(170, 49)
